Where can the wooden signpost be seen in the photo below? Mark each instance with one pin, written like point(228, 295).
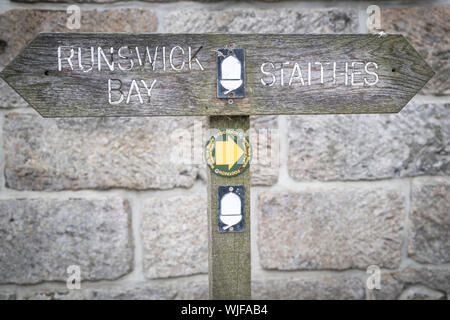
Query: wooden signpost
point(227, 77)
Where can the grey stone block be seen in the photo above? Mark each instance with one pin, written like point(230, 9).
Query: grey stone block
point(429, 228)
point(414, 142)
point(327, 288)
point(174, 236)
point(263, 21)
point(95, 153)
point(192, 290)
point(41, 238)
point(330, 229)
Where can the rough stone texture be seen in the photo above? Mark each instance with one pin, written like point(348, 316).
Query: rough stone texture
point(395, 284)
point(429, 229)
point(421, 293)
point(188, 291)
point(95, 153)
point(414, 142)
point(174, 236)
point(133, 153)
point(7, 295)
point(265, 141)
point(330, 229)
point(197, 290)
point(41, 237)
point(338, 288)
point(390, 288)
point(28, 23)
point(427, 29)
point(263, 21)
point(437, 278)
point(62, 294)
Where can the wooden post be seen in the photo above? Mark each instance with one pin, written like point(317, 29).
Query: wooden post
point(229, 253)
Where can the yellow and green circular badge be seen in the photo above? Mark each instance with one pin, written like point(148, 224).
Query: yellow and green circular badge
point(228, 152)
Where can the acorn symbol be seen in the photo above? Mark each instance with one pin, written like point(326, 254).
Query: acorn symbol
point(231, 74)
point(230, 210)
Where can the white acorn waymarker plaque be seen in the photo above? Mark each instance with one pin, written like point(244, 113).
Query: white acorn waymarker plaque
point(231, 74)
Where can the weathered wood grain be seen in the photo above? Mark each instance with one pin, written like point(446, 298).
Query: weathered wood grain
point(34, 75)
point(229, 253)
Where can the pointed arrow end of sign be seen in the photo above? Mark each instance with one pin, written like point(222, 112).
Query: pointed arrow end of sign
point(5, 75)
point(429, 72)
point(420, 64)
point(416, 67)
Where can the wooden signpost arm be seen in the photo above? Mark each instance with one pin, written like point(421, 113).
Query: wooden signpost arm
point(85, 75)
point(131, 75)
point(229, 253)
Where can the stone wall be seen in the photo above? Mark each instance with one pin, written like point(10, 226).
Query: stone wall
point(340, 193)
